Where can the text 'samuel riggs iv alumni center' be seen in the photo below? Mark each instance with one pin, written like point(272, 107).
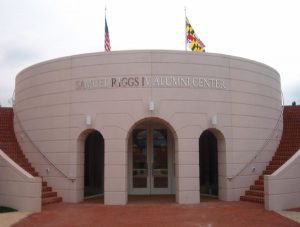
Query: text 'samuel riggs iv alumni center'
point(150, 123)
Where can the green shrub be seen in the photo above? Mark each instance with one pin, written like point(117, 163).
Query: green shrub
point(6, 209)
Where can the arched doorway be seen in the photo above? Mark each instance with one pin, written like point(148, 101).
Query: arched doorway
point(151, 164)
point(93, 164)
point(208, 160)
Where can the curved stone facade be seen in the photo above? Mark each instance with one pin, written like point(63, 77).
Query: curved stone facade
point(58, 102)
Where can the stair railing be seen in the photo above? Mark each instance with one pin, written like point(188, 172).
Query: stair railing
point(34, 145)
point(267, 141)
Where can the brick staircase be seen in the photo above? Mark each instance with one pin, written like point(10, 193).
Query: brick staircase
point(9, 145)
point(289, 145)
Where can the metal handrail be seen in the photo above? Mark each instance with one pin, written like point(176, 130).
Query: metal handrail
point(267, 141)
point(36, 147)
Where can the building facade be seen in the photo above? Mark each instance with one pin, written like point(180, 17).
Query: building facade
point(149, 122)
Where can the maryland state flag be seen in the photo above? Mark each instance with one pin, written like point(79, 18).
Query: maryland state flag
point(195, 44)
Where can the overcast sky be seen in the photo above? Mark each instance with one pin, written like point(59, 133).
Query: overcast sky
point(267, 31)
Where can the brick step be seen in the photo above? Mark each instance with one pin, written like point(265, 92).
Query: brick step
point(46, 189)
point(8, 143)
point(6, 121)
point(277, 162)
point(7, 137)
point(291, 132)
point(23, 163)
point(6, 130)
point(254, 193)
point(50, 200)
point(15, 153)
point(281, 157)
point(19, 160)
point(34, 173)
point(291, 139)
point(272, 167)
point(44, 183)
point(295, 126)
point(255, 199)
point(11, 150)
point(289, 125)
point(289, 147)
point(12, 154)
point(257, 187)
point(287, 151)
point(259, 182)
point(48, 194)
point(268, 172)
point(294, 115)
point(287, 139)
point(287, 155)
point(28, 168)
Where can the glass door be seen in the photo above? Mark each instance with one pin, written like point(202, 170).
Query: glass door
point(150, 162)
point(140, 170)
point(160, 163)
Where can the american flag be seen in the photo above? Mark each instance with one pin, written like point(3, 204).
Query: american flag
point(106, 41)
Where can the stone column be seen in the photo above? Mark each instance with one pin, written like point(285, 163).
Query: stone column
point(115, 171)
point(187, 171)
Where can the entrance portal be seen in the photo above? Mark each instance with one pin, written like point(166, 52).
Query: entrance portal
point(151, 161)
point(208, 164)
point(94, 164)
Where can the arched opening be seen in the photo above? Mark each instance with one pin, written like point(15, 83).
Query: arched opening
point(93, 165)
point(208, 160)
point(151, 159)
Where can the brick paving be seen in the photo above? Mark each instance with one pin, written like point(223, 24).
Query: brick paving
point(209, 213)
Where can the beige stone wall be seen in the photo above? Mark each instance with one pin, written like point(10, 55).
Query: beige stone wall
point(18, 189)
point(282, 188)
point(52, 105)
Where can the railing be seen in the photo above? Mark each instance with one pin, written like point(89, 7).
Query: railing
point(267, 141)
point(34, 145)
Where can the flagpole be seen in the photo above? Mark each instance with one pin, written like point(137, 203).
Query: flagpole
point(185, 41)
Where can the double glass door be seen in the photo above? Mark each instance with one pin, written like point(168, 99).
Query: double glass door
point(150, 161)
